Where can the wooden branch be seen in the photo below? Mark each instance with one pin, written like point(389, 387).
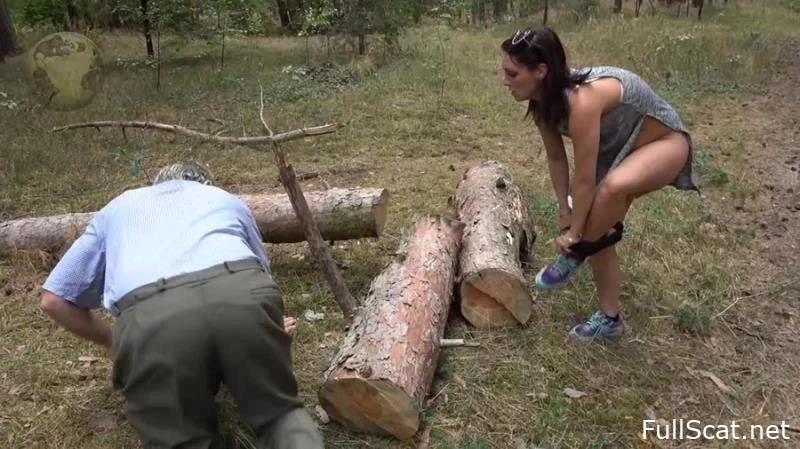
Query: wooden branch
point(261, 111)
point(287, 176)
point(176, 129)
point(319, 250)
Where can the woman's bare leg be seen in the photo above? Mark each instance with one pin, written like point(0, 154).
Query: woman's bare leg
point(649, 168)
point(608, 279)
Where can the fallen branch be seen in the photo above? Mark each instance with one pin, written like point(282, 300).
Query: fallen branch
point(455, 342)
point(288, 178)
point(180, 130)
point(320, 251)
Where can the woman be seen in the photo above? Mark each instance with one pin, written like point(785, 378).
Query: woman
point(627, 141)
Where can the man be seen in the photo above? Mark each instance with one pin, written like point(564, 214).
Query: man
point(181, 266)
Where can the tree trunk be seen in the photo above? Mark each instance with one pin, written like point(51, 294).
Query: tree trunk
point(71, 18)
point(9, 46)
point(146, 28)
point(362, 44)
point(544, 18)
point(699, 5)
point(617, 6)
point(283, 14)
point(385, 366)
point(340, 214)
point(497, 239)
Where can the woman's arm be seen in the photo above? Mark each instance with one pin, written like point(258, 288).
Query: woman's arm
point(558, 165)
point(584, 128)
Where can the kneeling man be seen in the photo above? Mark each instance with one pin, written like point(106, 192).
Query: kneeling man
point(181, 266)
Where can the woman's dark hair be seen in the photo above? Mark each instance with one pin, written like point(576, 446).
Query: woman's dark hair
point(541, 45)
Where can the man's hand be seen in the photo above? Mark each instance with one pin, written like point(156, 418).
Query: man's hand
point(289, 324)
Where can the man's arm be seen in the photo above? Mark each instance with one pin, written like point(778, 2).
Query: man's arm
point(75, 286)
point(79, 321)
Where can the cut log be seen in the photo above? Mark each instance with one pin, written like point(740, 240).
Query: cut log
point(497, 239)
point(385, 366)
point(340, 214)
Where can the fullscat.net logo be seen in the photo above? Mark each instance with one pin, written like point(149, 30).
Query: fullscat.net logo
point(692, 429)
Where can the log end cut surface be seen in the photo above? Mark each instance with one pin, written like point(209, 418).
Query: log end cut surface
point(379, 211)
point(494, 298)
point(371, 405)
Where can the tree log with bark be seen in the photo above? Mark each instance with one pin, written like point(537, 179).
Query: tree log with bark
point(497, 241)
point(386, 363)
point(341, 214)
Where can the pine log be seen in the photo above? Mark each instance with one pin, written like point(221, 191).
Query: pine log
point(497, 240)
point(386, 363)
point(340, 214)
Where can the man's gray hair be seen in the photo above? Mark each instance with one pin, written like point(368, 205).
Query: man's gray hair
point(189, 171)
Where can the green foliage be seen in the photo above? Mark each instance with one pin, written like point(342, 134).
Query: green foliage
point(318, 19)
point(298, 82)
point(35, 12)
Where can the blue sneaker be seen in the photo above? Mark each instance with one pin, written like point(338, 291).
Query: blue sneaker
point(557, 273)
point(598, 327)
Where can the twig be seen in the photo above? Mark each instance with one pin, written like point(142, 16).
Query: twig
point(455, 342)
point(175, 129)
point(425, 438)
point(261, 110)
point(754, 295)
point(305, 176)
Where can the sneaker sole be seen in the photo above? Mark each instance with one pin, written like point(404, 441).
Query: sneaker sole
point(581, 338)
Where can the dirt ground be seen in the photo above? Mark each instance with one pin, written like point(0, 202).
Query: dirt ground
point(767, 319)
point(776, 209)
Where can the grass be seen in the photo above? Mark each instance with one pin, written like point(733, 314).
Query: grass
point(415, 123)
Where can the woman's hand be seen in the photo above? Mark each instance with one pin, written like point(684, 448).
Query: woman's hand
point(565, 240)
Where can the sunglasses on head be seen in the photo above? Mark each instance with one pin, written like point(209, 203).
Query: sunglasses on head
point(522, 36)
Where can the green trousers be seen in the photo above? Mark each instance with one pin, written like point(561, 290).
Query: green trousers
point(177, 340)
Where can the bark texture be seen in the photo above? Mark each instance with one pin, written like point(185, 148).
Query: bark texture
point(497, 240)
point(386, 363)
point(340, 214)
